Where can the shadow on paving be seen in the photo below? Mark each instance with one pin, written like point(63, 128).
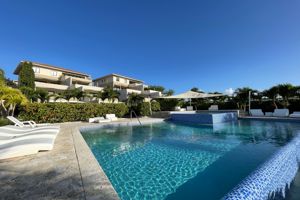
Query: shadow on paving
point(39, 186)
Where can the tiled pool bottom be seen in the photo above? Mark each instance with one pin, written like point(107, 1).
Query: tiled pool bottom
point(178, 161)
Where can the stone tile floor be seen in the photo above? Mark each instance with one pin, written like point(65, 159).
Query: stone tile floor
point(47, 175)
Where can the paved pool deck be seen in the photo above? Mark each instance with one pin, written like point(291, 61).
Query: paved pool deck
point(69, 171)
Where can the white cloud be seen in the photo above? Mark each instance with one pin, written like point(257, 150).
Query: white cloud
point(229, 91)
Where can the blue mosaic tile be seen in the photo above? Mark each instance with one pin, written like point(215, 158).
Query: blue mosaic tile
point(272, 177)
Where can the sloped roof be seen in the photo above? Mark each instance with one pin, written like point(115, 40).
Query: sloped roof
point(17, 70)
point(192, 95)
point(118, 75)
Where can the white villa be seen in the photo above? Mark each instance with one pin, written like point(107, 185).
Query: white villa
point(125, 85)
point(57, 79)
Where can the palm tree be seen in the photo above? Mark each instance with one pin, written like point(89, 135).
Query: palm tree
point(134, 100)
point(195, 89)
point(286, 91)
point(241, 96)
point(169, 92)
point(69, 94)
point(10, 98)
point(272, 93)
point(110, 94)
point(297, 91)
point(100, 96)
point(42, 94)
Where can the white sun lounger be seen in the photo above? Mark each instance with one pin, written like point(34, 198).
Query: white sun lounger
point(28, 136)
point(256, 112)
point(19, 123)
point(15, 143)
point(16, 132)
point(111, 117)
point(295, 114)
point(178, 108)
point(25, 147)
point(189, 108)
point(98, 120)
point(213, 108)
point(281, 113)
point(22, 129)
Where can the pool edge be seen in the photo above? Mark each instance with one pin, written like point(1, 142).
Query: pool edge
point(95, 182)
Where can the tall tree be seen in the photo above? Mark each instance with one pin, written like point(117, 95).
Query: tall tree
point(26, 75)
point(272, 94)
point(156, 87)
point(134, 100)
point(195, 89)
point(286, 91)
point(242, 97)
point(110, 94)
point(2, 78)
point(169, 92)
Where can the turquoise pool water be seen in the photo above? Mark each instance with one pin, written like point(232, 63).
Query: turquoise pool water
point(183, 161)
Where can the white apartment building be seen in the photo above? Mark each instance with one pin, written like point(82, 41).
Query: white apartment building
point(126, 86)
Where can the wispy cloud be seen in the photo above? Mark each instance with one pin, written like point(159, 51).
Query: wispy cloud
point(229, 91)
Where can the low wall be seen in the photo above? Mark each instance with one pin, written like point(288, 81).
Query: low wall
point(203, 118)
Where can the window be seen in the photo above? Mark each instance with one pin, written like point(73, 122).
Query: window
point(54, 73)
point(117, 79)
point(36, 69)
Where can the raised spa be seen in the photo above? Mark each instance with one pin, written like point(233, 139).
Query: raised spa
point(203, 118)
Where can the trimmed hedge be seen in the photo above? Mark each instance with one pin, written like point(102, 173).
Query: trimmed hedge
point(144, 108)
point(155, 106)
point(66, 112)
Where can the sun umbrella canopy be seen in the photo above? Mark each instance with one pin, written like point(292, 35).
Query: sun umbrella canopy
point(192, 95)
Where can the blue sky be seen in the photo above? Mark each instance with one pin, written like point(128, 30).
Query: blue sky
point(213, 45)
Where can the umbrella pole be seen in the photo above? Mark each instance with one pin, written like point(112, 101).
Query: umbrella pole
point(190, 102)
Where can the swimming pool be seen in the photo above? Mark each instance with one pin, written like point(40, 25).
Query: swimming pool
point(184, 161)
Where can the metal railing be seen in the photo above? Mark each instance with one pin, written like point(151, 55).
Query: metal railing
point(132, 112)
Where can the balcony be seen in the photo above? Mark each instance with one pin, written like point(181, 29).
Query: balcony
point(121, 85)
point(51, 86)
point(88, 88)
point(78, 80)
point(42, 77)
point(152, 93)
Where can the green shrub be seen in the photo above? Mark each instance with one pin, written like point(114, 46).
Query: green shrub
point(168, 104)
point(144, 109)
point(65, 112)
point(4, 121)
point(155, 106)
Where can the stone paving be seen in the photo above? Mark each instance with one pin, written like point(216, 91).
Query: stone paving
point(56, 174)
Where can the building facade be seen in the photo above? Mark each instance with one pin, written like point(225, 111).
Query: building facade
point(126, 86)
point(57, 79)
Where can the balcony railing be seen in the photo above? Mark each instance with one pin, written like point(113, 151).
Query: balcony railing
point(51, 86)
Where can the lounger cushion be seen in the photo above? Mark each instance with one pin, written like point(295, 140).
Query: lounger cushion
point(281, 113)
point(111, 117)
point(256, 112)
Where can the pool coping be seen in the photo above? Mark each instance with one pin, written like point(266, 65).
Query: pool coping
point(276, 119)
point(95, 182)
